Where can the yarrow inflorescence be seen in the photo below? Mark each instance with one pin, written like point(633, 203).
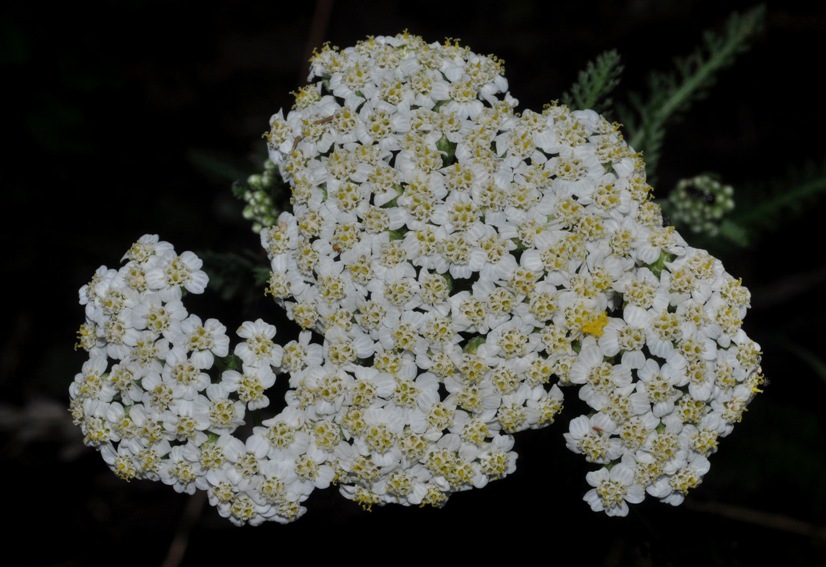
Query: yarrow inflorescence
point(454, 265)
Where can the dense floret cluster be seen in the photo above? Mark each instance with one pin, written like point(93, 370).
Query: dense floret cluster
point(454, 266)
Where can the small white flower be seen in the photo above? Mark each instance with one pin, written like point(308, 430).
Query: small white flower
point(613, 490)
point(225, 414)
point(250, 385)
point(258, 347)
point(183, 270)
point(181, 468)
point(594, 438)
point(661, 384)
point(204, 339)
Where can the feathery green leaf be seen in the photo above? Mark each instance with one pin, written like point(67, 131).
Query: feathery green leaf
point(766, 207)
point(671, 94)
point(595, 83)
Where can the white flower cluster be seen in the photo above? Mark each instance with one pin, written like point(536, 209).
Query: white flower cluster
point(460, 264)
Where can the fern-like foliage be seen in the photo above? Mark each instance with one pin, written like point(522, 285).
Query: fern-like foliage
point(596, 83)
point(670, 94)
point(768, 207)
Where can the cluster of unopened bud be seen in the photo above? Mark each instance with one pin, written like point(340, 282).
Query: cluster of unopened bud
point(698, 204)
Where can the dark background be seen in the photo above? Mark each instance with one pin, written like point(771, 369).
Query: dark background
point(135, 116)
